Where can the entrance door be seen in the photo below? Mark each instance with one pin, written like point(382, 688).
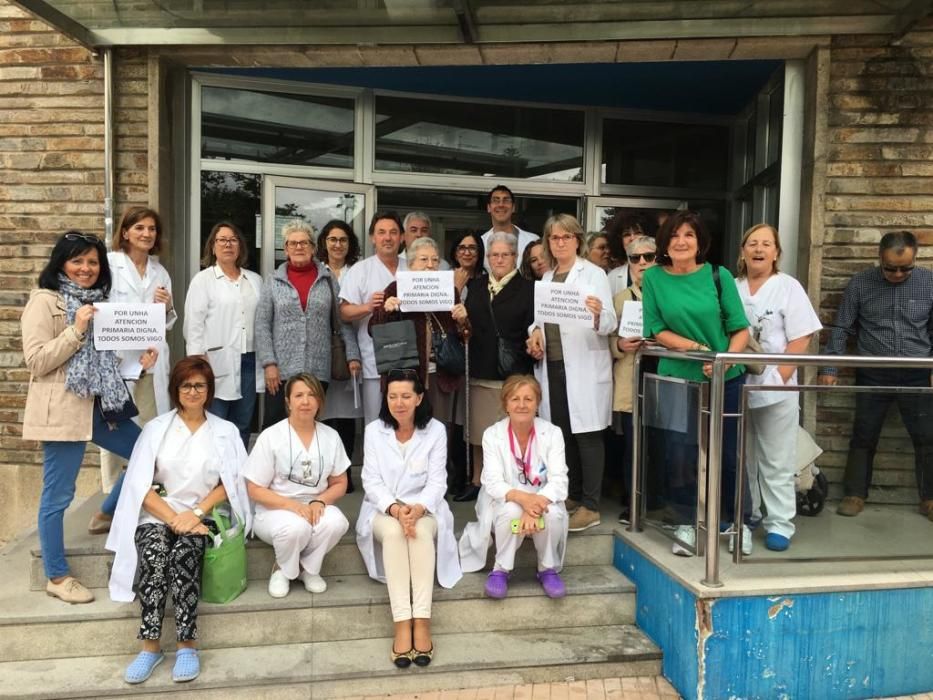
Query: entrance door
point(600, 210)
point(315, 202)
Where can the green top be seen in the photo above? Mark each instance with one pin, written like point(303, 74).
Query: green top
point(688, 305)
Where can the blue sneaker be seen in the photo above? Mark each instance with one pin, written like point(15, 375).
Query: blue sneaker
point(776, 542)
point(142, 666)
point(187, 665)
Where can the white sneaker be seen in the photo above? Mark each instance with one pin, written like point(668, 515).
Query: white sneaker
point(278, 584)
point(685, 541)
point(746, 541)
point(313, 582)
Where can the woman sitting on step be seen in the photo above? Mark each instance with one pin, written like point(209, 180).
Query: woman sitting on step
point(185, 462)
point(404, 478)
point(524, 488)
point(295, 474)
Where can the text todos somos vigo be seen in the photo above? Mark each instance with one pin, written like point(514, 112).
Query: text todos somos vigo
point(128, 326)
point(561, 303)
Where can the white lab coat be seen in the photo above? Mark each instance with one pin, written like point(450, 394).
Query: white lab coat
point(128, 287)
point(500, 475)
point(525, 238)
point(587, 359)
point(421, 478)
point(231, 456)
point(215, 331)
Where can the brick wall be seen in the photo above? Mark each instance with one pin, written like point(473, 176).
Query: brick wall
point(879, 178)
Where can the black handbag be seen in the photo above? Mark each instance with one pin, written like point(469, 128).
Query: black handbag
point(339, 372)
point(395, 345)
point(449, 353)
point(127, 411)
point(511, 355)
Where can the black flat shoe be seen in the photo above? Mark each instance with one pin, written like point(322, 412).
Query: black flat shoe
point(403, 659)
point(422, 658)
point(469, 494)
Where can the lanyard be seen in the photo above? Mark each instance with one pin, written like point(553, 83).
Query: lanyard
point(524, 460)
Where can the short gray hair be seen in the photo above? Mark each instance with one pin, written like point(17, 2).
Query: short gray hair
point(639, 243)
point(297, 226)
point(503, 237)
point(416, 215)
point(416, 245)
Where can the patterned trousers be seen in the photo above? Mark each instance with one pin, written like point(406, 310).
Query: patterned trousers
point(167, 560)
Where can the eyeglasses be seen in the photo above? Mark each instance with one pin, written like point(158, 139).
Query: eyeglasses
point(638, 257)
point(86, 237)
point(563, 239)
point(500, 200)
point(467, 248)
point(297, 244)
point(304, 474)
point(226, 241)
point(898, 268)
point(199, 387)
point(496, 256)
point(337, 241)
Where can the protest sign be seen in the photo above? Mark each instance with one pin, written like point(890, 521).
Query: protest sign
point(128, 326)
point(425, 290)
point(631, 324)
point(563, 304)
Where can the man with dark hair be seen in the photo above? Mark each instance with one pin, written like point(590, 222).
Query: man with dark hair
point(500, 204)
point(889, 310)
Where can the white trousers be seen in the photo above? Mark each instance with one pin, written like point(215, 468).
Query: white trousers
point(297, 543)
point(371, 394)
point(111, 465)
point(771, 458)
point(409, 565)
point(547, 541)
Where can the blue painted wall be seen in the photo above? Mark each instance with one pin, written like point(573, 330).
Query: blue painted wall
point(861, 644)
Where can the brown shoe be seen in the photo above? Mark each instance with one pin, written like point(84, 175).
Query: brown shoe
point(926, 508)
point(583, 519)
point(70, 590)
point(100, 524)
point(572, 506)
point(851, 506)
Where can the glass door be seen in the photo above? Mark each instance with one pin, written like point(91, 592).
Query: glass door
point(315, 202)
point(600, 210)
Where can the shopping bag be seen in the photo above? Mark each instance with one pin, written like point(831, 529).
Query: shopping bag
point(223, 572)
point(395, 345)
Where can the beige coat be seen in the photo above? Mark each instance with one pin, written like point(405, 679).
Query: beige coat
point(623, 363)
point(52, 412)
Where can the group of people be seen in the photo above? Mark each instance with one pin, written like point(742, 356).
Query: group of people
point(537, 442)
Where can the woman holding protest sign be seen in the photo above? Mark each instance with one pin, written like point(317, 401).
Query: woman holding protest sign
point(76, 393)
point(575, 368)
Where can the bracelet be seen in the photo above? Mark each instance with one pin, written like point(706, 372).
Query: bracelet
point(318, 500)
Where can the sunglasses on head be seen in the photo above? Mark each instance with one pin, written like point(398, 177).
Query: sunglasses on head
point(402, 375)
point(86, 237)
point(637, 257)
point(898, 268)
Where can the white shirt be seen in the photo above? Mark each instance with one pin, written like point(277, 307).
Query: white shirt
point(779, 312)
point(279, 452)
point(186, 465)
point(618, 279)
point(525, 238)
point(362, 281)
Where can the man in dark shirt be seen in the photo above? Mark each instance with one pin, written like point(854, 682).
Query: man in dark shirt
point(889, 310)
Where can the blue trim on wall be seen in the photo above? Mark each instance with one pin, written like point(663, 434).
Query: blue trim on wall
point(851, 644)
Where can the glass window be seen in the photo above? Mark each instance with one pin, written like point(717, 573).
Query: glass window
point(454, 138)
point(656, 154)
point(775, 123)
point(233, 197)
point(274, 127)
point(316, 207)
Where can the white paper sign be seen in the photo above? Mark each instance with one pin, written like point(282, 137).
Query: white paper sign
point(128, 326)
point(563, 304)
point(425, 290)
point(631, 324)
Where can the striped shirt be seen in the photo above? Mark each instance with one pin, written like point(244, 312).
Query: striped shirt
point(886, 319)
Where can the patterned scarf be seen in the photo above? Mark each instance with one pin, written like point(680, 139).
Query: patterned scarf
point(91, 372)
point(495, 286)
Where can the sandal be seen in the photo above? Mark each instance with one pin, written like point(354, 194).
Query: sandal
point(142, 666)
point(187, 665)
point(401, 659)
point(422, 658)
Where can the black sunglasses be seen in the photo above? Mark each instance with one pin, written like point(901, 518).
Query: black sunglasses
point(898, 268)
point(637, 257)
point(86, 237)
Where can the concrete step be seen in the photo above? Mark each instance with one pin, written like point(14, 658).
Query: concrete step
point(328, 669)
point(90, 562)
point(35, 626)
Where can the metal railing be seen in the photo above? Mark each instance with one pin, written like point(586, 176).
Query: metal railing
point(709, 473)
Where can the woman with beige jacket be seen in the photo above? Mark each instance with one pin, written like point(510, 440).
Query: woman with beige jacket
point(71, 386)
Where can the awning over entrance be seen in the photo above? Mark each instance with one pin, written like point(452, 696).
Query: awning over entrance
point(335, 22)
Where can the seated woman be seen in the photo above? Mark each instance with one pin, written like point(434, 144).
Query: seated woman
point(404, 479)
point(295, 473)
point(523, 494)
point(185, 462)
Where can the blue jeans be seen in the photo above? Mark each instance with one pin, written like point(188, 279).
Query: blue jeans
point(61, 464)
point(240, 411)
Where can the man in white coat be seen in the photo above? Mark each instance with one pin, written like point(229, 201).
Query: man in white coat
point(500, 204)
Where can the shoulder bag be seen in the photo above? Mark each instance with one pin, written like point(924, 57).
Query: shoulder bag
point(449, 353)
point(753, 344)
point(511, 356)
point(339, 372)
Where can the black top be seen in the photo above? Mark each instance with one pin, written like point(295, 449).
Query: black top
point(514, 310)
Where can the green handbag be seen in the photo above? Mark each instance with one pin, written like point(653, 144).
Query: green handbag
point(223, 571)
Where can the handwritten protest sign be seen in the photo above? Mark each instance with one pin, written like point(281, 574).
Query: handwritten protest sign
point(631, 325)
point(128, 326)
point(562, 303)
point(425, 290)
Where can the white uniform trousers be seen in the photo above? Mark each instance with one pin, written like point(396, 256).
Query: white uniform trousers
point(771, 458)
point(409, 565)
point(371, 395)
point(298, 542)
point(547, 541)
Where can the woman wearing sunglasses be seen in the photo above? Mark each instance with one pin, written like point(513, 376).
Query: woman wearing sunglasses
point(186, 462)
point(71, 384)
point(295, 474)
point(404, 513)
point(523, 493)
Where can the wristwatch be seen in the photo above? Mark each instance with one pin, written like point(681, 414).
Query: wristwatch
point(198, 512)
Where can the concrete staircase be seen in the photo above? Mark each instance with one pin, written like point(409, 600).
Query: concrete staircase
point(329, 645)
